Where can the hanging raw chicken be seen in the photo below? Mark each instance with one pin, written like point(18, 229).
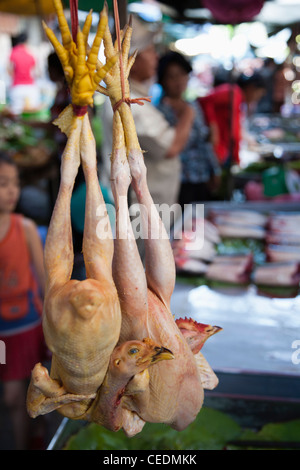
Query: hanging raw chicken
point(99, 329)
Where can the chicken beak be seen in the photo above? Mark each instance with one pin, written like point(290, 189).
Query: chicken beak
point(161, 354)
point(215, 330)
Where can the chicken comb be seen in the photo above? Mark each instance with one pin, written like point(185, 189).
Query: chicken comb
point(195, 333)
point(192, 325)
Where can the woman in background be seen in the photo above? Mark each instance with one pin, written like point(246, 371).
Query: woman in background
point(199, 167)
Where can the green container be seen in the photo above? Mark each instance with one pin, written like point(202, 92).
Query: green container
point(274, 181)
point(42, 115)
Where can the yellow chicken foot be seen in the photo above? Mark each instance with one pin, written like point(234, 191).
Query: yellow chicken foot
point(81, 66)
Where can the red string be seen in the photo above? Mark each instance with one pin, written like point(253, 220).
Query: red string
point(74, 18)
point(123, 99)
point(130, 101)
point(79, 110)
point(117, 26)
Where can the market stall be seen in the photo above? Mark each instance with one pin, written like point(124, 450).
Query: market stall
point(273, 170)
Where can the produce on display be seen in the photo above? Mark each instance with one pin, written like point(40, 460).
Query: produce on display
point(29, 146)
point(236, 269)
point(119, 358)
point(242, 224)
point(280, 274)
point(212, 430)
point(283, 253)
point(242, 258)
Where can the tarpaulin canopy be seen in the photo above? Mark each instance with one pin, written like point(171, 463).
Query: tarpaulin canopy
point(27, 7)
point(36, 7)
point(233, 11)
point(274, 11)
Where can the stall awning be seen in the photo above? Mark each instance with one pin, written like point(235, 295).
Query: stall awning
point(273, 11)
point(27, 7)
point(36, 7)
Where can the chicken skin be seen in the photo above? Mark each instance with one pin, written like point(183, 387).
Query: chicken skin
point(81, 319)
point(94, 327)
point(145, 294)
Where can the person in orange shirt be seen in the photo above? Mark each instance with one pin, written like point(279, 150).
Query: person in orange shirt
point(22, 283)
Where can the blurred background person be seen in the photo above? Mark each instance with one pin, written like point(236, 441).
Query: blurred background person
point(24, 93)
point(200, 171)
point(161, 142)
point(226, 106)
point(268, 71)
point(61, 101)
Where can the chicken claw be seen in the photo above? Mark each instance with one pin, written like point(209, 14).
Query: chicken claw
point(80, 62)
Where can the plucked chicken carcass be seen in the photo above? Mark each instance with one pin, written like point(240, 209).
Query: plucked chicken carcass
point(81, 320)
point(121, 308)
point(145, 294)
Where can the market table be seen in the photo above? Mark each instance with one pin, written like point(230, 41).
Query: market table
point(258, 331)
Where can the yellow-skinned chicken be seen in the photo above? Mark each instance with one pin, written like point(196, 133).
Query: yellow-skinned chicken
point(81, 319)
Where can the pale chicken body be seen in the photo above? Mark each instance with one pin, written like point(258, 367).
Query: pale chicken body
point(91, 311)
point(81, 319)
point(172, 383)
point(175, 392)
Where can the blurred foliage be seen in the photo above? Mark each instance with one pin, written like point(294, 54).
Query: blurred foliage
point(212, 430)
